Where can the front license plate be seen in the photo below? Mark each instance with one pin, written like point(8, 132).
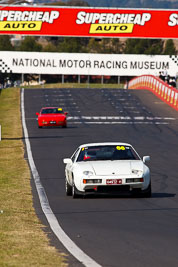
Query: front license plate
point(52, 122)
point(114, 181)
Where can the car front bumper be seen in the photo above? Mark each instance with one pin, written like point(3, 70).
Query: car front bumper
point(52, 123)
point(114, 185)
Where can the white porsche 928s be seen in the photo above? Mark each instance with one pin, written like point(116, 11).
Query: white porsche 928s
point(107, 168)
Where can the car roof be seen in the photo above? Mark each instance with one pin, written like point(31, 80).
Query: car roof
point(105, 144)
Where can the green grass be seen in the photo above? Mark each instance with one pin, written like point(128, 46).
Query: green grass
point(76, 85)
point(22, 239)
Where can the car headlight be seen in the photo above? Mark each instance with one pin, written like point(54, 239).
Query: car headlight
point(138, 172)
point(88, 173)
point(135, 180)
point(92, 181)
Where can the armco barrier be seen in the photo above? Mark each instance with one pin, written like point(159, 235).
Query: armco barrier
point(161, 89)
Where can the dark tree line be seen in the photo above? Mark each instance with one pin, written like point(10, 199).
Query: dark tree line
point(165, 4)
point(90, 45)
point(127, 3)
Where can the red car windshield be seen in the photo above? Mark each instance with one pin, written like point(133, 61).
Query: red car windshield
point(52, 111)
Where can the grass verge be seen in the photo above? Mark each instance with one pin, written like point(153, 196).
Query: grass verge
point(76, 85)
point(22, 240)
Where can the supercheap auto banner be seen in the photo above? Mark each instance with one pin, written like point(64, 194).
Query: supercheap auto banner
point(86, 64)
point(88, 22)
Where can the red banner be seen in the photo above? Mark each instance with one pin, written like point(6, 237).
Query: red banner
point(89, 22)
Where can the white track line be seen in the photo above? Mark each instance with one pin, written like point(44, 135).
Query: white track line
point(56, 228)
point(117, 122)
point(141, 118)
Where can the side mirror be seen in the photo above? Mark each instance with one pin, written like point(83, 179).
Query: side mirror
point(146, 158)
point(65, 113)
point(67, 161)
point(37, 113)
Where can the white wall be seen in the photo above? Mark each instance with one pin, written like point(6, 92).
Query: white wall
point(86, 64)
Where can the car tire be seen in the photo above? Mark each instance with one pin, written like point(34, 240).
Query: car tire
point(74, 191)
point(147, 192)
point(39, 126)
point(64, 126)
point(142, 193)
point(68, 188)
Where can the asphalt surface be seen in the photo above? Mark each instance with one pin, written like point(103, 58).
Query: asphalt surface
point(118, 231)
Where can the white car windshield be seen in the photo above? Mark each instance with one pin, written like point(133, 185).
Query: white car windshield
point(110, 152)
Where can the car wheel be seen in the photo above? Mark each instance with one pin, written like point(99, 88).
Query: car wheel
point(64, 126)
point(39, 126)
point(142, 193)
point(68, 188)
point(74, 193)
point(147, 192)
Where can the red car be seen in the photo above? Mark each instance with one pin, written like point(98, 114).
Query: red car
point(52, 116)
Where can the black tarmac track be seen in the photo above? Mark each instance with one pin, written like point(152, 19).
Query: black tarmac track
point(114, 231)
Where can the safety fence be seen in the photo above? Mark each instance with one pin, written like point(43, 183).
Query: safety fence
point(160, 88)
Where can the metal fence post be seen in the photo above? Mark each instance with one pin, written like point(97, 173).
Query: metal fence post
point(119, 80)
point(22, 78)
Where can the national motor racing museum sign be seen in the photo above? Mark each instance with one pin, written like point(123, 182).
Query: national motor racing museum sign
point(86, 64)
point(88, 22)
